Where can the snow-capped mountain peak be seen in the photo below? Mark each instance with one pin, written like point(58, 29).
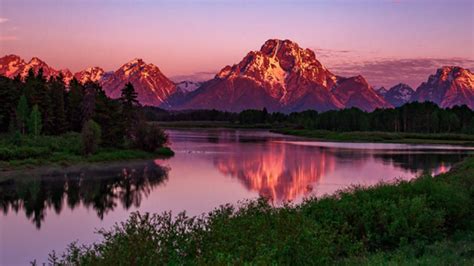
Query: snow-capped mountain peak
point(188, 86)
point(94, 74)
point(450, 86)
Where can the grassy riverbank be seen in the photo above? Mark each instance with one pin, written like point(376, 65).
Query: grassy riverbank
point(29, 152)
point(426, 220)
point(389, 137)
point(210, 124)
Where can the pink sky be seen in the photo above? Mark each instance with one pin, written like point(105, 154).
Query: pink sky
point(386, 41)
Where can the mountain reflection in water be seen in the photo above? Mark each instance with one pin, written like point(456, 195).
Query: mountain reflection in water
point(100, 188)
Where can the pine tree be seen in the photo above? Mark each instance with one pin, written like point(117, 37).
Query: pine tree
point(9, 95)
point(22, 114)
point(74, 105)
point(34, 121)
point(57, 101)
point(129, 108)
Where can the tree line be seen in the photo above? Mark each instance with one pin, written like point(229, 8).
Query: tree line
point(414, 117)
point(38, 105)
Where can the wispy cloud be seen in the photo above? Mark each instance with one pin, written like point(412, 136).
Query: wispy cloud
point(3, 20)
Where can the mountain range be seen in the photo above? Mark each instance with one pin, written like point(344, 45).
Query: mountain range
point(281, 76)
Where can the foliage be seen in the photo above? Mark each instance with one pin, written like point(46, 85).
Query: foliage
point(22, 114)
point(413, 117)
point(59, 110)
point(150, 137)
point(129, 108)
point(91, 137)
point(34, 121)
point(356, 225)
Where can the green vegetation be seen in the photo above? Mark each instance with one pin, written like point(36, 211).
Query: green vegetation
point(110, 129)
point(426, 118)
point(375, 136)
point(427, 220)
point(67, 149)
point(210, 124)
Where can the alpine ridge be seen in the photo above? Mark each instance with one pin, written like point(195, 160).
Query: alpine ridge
point(450, 86)
point(281, 76)
point(152, 86)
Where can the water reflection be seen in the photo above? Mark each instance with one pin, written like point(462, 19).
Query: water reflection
point(285, 172)
point(98, 187)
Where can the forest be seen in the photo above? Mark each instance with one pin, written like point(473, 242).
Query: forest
point(412, 117)
point(37, 113)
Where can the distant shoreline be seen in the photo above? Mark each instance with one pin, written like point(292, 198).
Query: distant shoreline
point(324, 135)
point(380, 137)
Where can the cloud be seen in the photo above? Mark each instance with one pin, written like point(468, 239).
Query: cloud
point(389, 72)
point(3, 20)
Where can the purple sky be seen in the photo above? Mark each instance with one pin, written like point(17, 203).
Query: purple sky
point(387, 41)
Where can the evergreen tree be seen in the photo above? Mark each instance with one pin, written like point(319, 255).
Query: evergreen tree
point(57, 101)
point(107, 115)
point(34, 122)
point(22, 114)
point(9, 95)
point(129, 108)
point(74, 98)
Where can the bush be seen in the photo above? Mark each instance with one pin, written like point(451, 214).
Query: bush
point(150, 137)
point(91, 135)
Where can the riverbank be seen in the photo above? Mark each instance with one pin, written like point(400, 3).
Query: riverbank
point(64, 150)
point(425, 220)
point(385, 137)
point(210, 124)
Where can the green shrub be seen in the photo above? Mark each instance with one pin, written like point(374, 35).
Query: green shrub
point(91, 135)
point(150, 137)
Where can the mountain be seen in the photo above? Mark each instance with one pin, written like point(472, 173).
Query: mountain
point(12, 66)
point(356, 92)
point(94, 74)
point(281, 76)
point(152, 86)
point(450, 86)
point(381, 91)
point(399, 94)
point(188, 86)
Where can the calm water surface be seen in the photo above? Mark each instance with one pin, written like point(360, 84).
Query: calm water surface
point(46, 209)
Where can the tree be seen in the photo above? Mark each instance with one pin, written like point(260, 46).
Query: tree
point(74, 105)
point(150, 137)
point(107, 114)
point(22, 114)
point(57, 89)
point(10, 92)
point(90, 136)
point(34, 121)
point(129, 108)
